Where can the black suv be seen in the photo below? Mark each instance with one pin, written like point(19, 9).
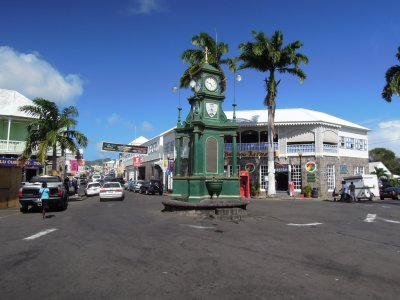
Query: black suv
point(151, 187)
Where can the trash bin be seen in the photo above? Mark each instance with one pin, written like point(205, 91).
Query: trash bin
point(314, 193)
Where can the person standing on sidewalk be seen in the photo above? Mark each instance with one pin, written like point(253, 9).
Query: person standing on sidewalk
point(44, 197)
point(352, 189)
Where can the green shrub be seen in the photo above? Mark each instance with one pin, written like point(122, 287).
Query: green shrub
point(307, 189)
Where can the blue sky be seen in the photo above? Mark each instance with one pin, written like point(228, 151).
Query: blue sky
point(117, 61)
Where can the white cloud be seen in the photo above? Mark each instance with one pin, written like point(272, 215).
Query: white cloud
point(34, 77)
point(145, 7)
point(113, 119)
point(386, 136)
point(146, 126)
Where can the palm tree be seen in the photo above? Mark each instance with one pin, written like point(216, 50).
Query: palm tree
point(392, 81)
point(195, 57)
point(380, 172)
point(52, 130)
point(270, 56)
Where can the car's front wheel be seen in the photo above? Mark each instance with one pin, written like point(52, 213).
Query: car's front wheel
point(23, 209)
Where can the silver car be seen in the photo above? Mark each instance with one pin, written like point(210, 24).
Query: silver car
point(137, 185)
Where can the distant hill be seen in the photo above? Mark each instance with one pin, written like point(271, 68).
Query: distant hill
point(96, 162)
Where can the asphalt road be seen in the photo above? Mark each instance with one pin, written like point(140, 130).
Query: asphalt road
point(284, 249)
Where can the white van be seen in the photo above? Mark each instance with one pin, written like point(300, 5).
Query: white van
point(367, 186)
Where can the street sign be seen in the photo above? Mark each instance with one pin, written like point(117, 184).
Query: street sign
point(112, 147)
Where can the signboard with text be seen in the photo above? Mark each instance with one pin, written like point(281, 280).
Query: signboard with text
point(106, 146)
point(13, 162)
point(137, 161)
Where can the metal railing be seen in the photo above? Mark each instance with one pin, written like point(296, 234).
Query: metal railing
point(13, 146)
point(329, 148)
point(249, 147)
point(303, 148)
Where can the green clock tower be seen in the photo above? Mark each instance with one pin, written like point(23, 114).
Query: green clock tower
point(201, 176)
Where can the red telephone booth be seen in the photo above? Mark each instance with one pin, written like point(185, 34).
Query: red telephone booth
point(244, 184)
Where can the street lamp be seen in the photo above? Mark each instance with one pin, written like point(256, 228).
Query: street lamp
point(176, 89)
point(301, 170)
point(237, 78)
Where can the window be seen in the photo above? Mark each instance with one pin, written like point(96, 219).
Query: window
point(296, 177)
point(358, 144)
point(230, 170)
point(358, 170)
point(341, 142)
point(263, 173)
point(330, 174)
point(349, 143)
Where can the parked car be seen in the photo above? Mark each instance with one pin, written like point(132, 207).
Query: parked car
point(137, 185)
point(82, 181)
point(151, 187)
point(390, 192)
point(111, 191)
point(29, 193)
point(96, 178)
point(92, 188)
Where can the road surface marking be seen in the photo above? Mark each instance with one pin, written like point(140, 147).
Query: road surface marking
point(198, 227)
point(308, 224)
point(370, 218)
point(390, 221)
point(39, 234)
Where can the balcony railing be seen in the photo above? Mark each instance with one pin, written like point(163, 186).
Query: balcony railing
point(310, 148)
point(13, 146)
point(329, 148)
point(249, 147)
point(303, 148)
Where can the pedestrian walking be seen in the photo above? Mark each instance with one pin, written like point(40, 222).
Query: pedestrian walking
point(352, 189)
point(44, 193)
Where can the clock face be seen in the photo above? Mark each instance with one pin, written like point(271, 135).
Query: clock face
point(198, 85)
point(211, 84)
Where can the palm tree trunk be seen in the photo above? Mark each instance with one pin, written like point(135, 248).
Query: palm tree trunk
point(54, 161)
point(271, 166)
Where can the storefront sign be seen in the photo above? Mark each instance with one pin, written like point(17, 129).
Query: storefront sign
point(311, 177)
point(14, 162)
point(250, 167)
point(123, 148)
point(137, 161)
point(311, 166)
point(74, 165)
point(247, 154)
point(281, 168)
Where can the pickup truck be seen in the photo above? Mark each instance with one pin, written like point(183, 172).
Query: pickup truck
point(29, 193)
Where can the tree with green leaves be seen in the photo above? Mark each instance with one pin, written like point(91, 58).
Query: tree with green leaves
point(270, 56)
point(380, 172)
point(51, 131)
point(392, 81)
point(195, 57)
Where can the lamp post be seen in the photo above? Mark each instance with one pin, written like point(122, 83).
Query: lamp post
point(176, 89)
point(301, 170)
point(237, 78)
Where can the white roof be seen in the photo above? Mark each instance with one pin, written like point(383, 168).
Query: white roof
point(140, 140)
point(290, 116)
point(378, 165)
point(11, 101)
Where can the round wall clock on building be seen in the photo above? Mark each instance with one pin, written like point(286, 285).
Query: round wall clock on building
point(211, 84)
